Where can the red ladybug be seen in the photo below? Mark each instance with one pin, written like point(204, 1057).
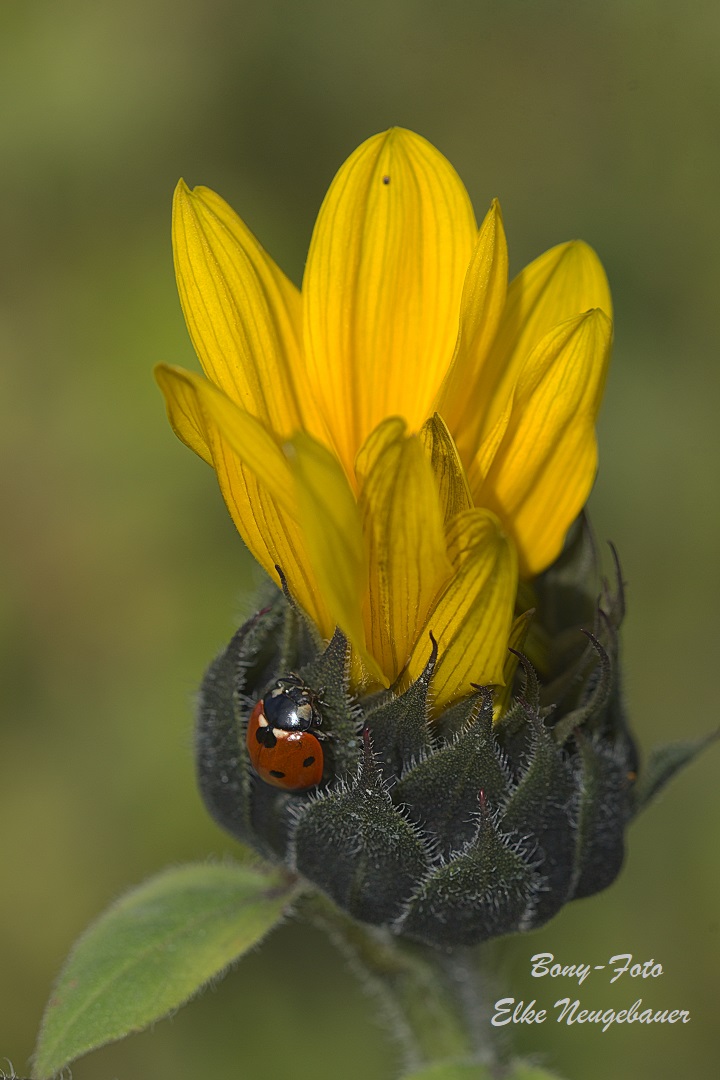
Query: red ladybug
point(280, 741)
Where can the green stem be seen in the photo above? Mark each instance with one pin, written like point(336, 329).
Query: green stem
point(469, 972)
point(431, 1002)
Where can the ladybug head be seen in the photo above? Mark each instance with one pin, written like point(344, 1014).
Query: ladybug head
point(291, 706)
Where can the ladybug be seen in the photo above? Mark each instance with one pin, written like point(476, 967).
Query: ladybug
point(283, 749)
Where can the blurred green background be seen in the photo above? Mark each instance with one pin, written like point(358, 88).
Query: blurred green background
point(123, 575)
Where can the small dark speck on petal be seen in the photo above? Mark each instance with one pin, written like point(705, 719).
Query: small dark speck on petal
point(386, 179)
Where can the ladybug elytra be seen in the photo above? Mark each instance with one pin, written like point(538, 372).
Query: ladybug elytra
point(283, 749)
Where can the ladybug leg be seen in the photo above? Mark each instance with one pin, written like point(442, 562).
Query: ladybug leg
point(324, 736)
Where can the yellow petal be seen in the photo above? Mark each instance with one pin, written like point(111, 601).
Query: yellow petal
point(446, 465)
point(391, 430)
point(382, 285)
point(489, 446)
point(407, 563)
point(464, 392)
point(566, 280)
point(333, 536)
point(184, 414)
point(471, 620)
point(243, 314)
point(254, 477)
point(195, 405)
point(544, 467)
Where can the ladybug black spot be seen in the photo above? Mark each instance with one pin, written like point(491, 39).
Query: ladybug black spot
point(275, 772)
point(308, 761)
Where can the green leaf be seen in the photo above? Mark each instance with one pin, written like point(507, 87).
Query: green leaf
point(522, 1070)
point(152, 950)
point(663, 763)
point(460, 1070)
point(451, 1070)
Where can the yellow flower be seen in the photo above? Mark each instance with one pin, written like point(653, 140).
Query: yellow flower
point(407, 433)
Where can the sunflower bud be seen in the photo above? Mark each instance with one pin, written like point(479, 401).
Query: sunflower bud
point(454, 829)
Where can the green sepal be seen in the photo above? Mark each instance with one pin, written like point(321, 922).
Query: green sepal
point(273, 642)
point(441, 792)
point(303, 638)
point(355, 846)
point(564, 598)
point(224, 702)
point(530, 697)
point(597, 696)
point(567, 589)
point(571, 600)
point(600, 713)
point(662, 765)
point(456, 717)
point(542, 811)
point(328, 675)
point(153, 950)
point(602, 817)
point(486, 890)
point(399, 726)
